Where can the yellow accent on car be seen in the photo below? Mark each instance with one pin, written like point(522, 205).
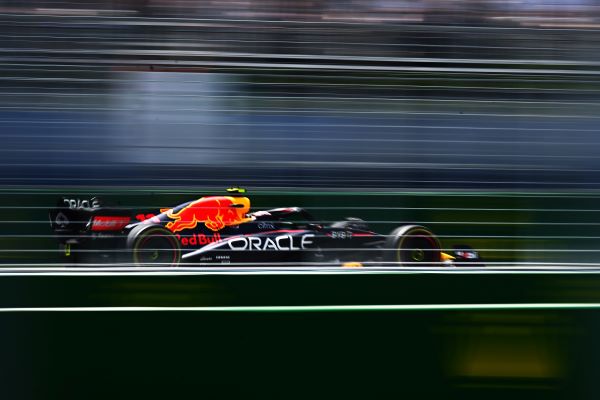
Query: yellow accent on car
point(447, 257)
point(352, 264)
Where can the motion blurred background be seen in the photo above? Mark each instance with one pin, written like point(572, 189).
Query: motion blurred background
point(402, 94)
point(476, 118)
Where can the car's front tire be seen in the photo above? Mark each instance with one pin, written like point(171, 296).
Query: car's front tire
point(412, 246)
point(153, 246)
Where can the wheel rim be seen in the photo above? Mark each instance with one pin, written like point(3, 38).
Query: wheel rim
point(417, 255)
point(156, 249)
point(418, 247)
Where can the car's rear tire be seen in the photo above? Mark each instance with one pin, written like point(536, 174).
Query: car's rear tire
point(413, 246)
point(153, 246)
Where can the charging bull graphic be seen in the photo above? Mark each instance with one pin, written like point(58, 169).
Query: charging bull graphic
point(216, 212)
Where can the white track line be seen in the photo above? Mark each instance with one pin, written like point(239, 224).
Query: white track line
point(319, 308)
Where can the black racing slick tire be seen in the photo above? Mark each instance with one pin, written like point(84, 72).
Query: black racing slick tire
point(153, 246)
point(413, 246)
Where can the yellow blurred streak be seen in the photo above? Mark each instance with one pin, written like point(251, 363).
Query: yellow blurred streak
point(507, 346)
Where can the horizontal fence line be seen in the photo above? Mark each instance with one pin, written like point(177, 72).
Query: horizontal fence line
point(310, 208)
point(319, 57)
point(326, 181)
point(154, 39)
point(556, 110)
point(58, 67)
point(53, 91)
point(28, 107)
point(182, 42)
point(444, 236)
point(52, 22)
point(308, 250)
point(313, 308)
point(289, 190)
point(320, 94)
point(117, 251)
point(269, 109)
point(304, 268)
point(413, 100)
point(399, 112)
point(333, 164)
point(278, 66)
point(313, 85)
point(468, 236)
point(167, 147)
point(132, 20)
point(388, 222)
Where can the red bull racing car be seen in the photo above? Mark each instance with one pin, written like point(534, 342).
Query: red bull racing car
point(219, 230)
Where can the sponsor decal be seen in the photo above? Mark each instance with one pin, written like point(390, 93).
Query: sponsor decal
point(266, 225)
point(215, 212)
point(198, 239)
point(277, 243)
point(469, 255)
point(224, 259)
point(101, 223)
point(79, 204)
point(341, 235)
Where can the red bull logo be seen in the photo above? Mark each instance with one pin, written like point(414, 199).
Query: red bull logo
point(215, 212)
point(198, 239)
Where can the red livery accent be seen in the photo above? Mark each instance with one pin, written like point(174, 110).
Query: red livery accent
point(145, 217)
point(198, 239)
point(102, 223)
point(216, 212)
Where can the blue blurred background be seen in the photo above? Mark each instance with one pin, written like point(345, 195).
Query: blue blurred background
point(422, 93)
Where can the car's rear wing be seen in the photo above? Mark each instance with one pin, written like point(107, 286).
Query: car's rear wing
point(73, 216)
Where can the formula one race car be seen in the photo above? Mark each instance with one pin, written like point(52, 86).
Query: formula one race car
point(222, 230)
